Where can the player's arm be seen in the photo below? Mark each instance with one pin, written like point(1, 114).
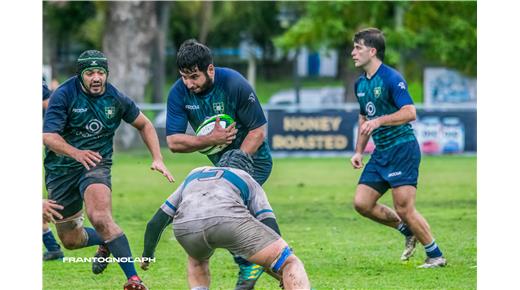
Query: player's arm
point(398, 90)
point(361, 143)
point(155, 227)
point(177, 122)
point(45, 104)
point(260, 207)
point(253, 140)
point(404, 115)
point(251, 114)
point(54, 123)
point(152, 235)
point(57, 144)
point(149, 136)
point(185, 143)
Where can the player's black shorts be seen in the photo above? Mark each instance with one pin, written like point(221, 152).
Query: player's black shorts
point(393, 167)
point(67, 188)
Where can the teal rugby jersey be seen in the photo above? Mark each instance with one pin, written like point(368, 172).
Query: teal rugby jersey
point(230, 94)
point(85, 122)
point(385, 93)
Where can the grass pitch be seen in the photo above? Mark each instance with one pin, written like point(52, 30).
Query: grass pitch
point(312, 199)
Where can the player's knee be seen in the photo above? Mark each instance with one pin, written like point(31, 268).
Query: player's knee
point(404, 212)
point(72, 243)
point(100, 220)
point(362, 207)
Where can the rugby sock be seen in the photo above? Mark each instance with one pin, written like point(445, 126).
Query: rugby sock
point(432, 250)
point(50, 242)
point(93, 237)
point(119, 247)
point(404, 229)
point(241, 261)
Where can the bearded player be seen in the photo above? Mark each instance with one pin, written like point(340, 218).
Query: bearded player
point(79, 126)
point(204, 91)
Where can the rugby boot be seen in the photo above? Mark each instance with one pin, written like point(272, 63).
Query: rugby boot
point(248, 275)
point(99, 266)
point(409, 248)
point(53, 255)
point(134, 283)
point(434, 262)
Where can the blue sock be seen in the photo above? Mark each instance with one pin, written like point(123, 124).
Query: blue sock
point(432, 250)
point(93, 237)
point(50, 242)
point(119, 247)
point(404, 229)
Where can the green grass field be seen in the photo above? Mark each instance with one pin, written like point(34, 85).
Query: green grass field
point(312, 199)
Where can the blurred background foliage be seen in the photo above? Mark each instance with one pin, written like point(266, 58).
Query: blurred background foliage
point(419, 34)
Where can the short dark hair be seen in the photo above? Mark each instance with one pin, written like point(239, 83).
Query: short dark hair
point(372, 37)
point(193, 55)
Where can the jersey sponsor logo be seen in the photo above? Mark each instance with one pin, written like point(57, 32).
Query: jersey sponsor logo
point(377, 92)
point(393, 174)
point(371, 109)
point(94, 126)
point(192, 107)
point(110, 112)
point(218, 108)
point(402, 85)
point(251, 98)
point(79, 110)
point(360, 94)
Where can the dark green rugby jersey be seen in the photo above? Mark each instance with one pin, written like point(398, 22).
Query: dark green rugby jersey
point(383, 94)
point(230, 94)
point(85, 122)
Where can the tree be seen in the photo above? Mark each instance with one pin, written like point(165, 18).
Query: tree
point(130, 30)
point(63, 23)
point(158, 68)
point(428, 32)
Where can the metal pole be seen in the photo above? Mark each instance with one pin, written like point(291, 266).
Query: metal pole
point(297, 83)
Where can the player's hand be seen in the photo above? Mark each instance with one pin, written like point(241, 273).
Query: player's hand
point(223, 135)
point(49, 208)
point(158, 165)
point(88, 158)
point(357, 161)
point(369, 126)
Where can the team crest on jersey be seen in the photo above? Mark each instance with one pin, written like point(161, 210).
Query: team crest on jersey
point(377, 92)
point(218, 107)
point(110, 112)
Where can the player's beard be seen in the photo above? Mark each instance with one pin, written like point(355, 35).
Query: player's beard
point(205, 86)
point(98, 86)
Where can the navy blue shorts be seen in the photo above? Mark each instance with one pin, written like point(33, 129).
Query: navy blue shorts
point(67, 188)
point(393, 167)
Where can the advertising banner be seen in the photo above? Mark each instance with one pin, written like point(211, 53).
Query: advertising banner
point(335, 131)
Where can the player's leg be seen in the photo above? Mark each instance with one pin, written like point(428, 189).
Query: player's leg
point(199, 276)
point(365, 203)
point(54, 251)
point(98, 203)
point(279, 258)
point(64, 190)
point(404, 202)
point(193, 241)
point(248, 272)
point(73, 235)
point(247, 237)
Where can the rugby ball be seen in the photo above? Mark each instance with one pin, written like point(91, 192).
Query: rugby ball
point(207, 126)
